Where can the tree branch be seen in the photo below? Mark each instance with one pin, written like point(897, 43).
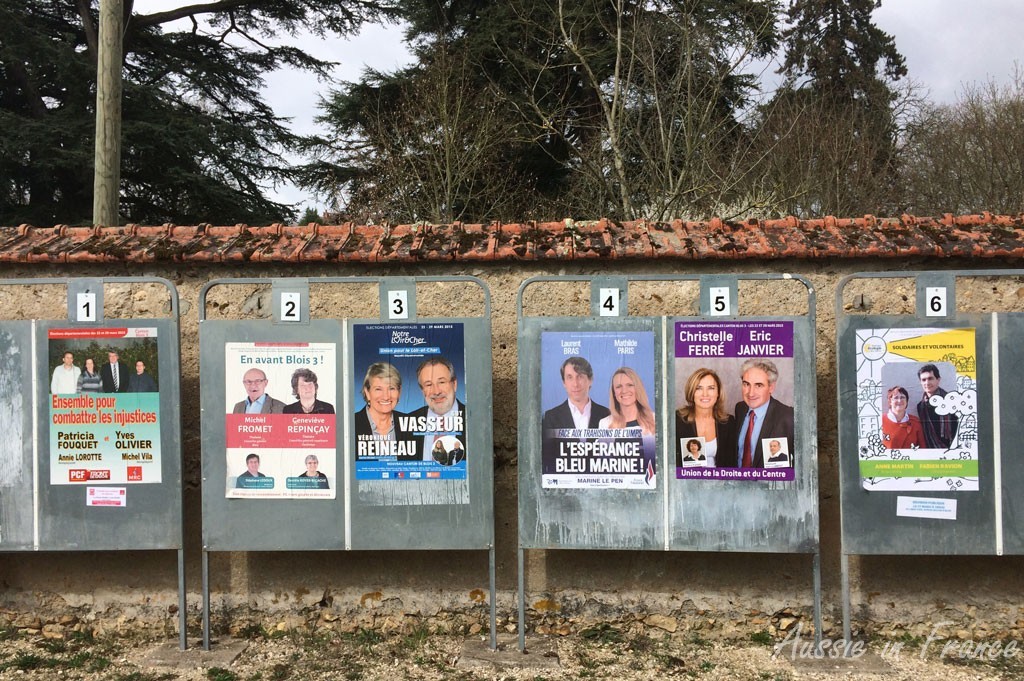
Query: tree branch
point(189, 11)
point(89, 27)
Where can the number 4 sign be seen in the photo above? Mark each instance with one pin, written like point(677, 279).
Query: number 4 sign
point(609, 302)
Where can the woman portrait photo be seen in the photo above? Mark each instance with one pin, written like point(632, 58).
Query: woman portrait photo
point(305, 387)
point(89, 381)
point(439, 453)
point(313, 471)
point(704, 416)
point(900, 430)
point(693, 452)
point(382, 389)
point(628, 404)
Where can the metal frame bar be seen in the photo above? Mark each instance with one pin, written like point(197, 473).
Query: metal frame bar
point(95, 285)
point(385, 284)
point(922, 279)
point(705, 281)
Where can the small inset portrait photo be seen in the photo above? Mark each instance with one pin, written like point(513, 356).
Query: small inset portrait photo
point(776, 451)
point(448, 451)
point(693, 452)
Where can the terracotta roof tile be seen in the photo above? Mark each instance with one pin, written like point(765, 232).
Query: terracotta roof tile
point(948, 236)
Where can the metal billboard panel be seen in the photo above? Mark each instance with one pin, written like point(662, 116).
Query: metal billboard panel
point(877, 521)
point(16, 466)
point(755, 515)
point(262, 524)
point(147, 515)
point(588, 518)
point(1010, 357)
point(453, 511)
point(776, 513)
point(425, 512)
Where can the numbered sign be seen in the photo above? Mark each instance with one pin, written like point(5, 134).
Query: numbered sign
point(720, 303)
point(935, 301)
point(398, 304)
point(609, 302)
point(85, 308)
point(291, 310)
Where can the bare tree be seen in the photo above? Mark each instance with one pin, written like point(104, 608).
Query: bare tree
point(432, 153)
point(653, 109)
point(969, 156)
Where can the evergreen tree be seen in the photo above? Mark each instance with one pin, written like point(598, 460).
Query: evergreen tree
point(310, 216)
point(840, 94)
point(836, 47)
point(626, 108)
point(199, 143)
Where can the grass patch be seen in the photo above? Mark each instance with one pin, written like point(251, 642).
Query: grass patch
point(84, 637)
point(697, 640)
point(253, 630)
point(762, 638)
point(144, 676)
point(367, 638)
point(221, 674)
point(54, 646)
point(602, 633)
point(415, 639)
point(642, 644)
point(670, 664)
point(27, 662)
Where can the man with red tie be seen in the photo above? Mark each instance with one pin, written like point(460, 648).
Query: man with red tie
point(760, 415)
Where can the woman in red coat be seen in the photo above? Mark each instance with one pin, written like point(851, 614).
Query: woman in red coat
point(900, 430)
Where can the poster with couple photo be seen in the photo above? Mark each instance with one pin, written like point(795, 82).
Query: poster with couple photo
point(281, 426)
point(599, 413)
point(734, 397)
point(409, 392)
point(917, 409)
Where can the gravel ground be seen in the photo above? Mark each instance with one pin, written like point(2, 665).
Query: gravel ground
point(611, 650)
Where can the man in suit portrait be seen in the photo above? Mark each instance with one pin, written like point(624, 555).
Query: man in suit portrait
point(760, 415)
point(257, 401)
point(578, 410)
point(776, 455)
point(438, 383)
point(114, 374)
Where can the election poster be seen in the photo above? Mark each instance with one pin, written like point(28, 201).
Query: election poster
point(734, 396)
point(917, 409)
point(409, 389)
point(599, 411)
point(104, 405)
point(281, 426)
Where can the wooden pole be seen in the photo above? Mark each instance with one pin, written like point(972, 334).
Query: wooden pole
point(107, 174)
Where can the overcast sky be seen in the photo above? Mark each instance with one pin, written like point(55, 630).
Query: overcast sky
point(947, 44)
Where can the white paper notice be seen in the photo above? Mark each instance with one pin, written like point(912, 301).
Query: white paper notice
point(105, 496)
point(923, 507)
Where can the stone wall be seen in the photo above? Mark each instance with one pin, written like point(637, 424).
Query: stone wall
point(717, 592)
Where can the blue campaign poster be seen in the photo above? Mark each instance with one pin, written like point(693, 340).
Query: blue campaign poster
point(598, 405)
point(410, 396)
